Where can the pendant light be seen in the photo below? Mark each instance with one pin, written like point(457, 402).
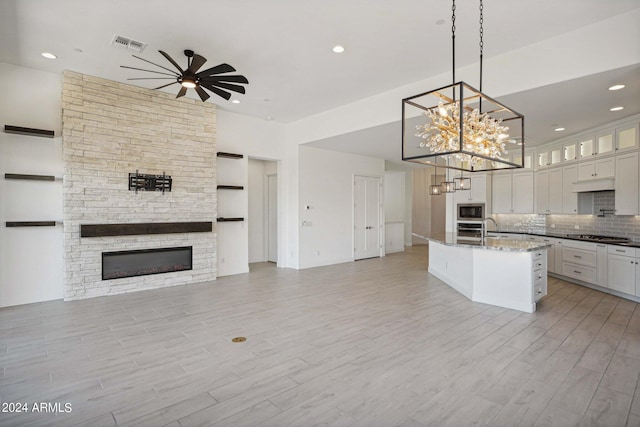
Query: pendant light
point(435, 189)
point(461, 123)
point(462, 182)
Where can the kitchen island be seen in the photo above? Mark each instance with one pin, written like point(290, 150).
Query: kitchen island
point(495, 270)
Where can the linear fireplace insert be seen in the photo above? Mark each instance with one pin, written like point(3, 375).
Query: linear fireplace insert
point(116, 265)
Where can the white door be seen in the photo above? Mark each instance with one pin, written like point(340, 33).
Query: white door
point(367, 222)
point(272, 218)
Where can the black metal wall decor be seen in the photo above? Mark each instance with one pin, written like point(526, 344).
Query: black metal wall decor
point(144, 182)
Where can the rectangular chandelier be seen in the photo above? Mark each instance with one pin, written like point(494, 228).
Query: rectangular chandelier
point(432, 122)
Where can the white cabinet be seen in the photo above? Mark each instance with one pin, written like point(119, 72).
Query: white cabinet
point(586, 147)
point(551, 252)
point(569, 151)
point(622, 269)
point(602, 265)
point(549, 191)
point(579, 261)
point(604, 143)
point(513, 193)
point(595, 169)
point(626, 184)
point(569, 198)
point(542, 192)
point(627, 136)
point(480, 191)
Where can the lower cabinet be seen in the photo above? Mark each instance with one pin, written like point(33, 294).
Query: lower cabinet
point(622, 269)
point(579, 261)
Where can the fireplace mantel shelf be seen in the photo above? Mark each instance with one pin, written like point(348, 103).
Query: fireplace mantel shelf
point(132, 229)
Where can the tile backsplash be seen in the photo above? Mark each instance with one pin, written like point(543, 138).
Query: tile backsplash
point(610, 225)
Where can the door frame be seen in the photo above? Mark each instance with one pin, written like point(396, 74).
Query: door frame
point(381, 228)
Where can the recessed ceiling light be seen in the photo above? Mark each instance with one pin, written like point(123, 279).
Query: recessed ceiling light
point(338, 49)
point(235, 101)
point(559, 129)
point(616, 108)
point(616, 87)
point(49, 55)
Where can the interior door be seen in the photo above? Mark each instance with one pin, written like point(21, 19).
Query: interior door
point(272, 218)
point(367, 221)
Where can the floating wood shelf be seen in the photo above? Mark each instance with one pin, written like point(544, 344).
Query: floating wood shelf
point(104, 230)
point(230, 219)
point(230, 187)
point(29, 177)
point(28, 131)
point(229, 155)
point(30, 223)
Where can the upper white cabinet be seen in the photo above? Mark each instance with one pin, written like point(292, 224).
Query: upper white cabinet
point(604, 143)
point(549, 192)
point(569, 151)
point(626, 184)
point(513, 193)
point(586, 147)
point(480, 191)
point(596, 169)
point(627, 136)
point(569, 198)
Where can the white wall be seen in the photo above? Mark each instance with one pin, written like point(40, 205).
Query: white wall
point(257, 186)
point(395, 203)
point(326, 186)
point(31, 267)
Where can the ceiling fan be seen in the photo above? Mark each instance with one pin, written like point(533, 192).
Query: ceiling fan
point(213, 79)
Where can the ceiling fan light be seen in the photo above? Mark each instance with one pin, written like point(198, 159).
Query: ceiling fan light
point(187, 82)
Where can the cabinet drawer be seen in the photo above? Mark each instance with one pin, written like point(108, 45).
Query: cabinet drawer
point(538, 255)
point(621, 250)
point(539, 292)
point(579, 256)
point(580, 272)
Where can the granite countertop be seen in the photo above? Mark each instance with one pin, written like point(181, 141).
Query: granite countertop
point(564, 236)
point(490, 243)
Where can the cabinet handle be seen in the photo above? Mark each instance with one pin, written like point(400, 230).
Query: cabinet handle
point(601, 246)
point(576, 271)
point(577, 256)
point(539, 265)
point(539, 292)
point(620, 250)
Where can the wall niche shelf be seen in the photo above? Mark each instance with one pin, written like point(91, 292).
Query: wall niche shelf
point(230, 219)
point(230, 187)
point(29, 177)
point(229, 155)
point(30, 223)
point(28, 131)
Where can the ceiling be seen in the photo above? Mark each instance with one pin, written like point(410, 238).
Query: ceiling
point(284, 47)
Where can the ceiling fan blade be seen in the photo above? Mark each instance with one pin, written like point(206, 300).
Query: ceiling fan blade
point(168, 84)
point(157, 65)
point(152, 78)
point(232, 79)
point(218, 69)
point(203, 94)
point(170, 59)
point(196, 62)
point(183, 91)
point(228, 86)
point(224, 94)
point(152, 71)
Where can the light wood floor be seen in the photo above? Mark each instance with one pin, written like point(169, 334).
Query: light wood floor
point(373, 343)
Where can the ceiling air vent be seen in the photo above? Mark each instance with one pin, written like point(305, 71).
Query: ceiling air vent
point(128, 44)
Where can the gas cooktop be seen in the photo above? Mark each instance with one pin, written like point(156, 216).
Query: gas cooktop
point(596, 238)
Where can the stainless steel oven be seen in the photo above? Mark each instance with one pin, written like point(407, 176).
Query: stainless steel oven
point(470, 230)
point(470, 211)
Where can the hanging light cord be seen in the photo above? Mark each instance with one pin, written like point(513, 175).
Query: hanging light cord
point(453, 39)
point(481, 41)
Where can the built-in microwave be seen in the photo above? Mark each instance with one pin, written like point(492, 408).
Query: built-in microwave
point(470, 211)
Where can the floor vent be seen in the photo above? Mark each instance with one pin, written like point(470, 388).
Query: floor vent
point(128, 44)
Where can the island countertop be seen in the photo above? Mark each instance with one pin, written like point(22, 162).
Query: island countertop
point(490, 243)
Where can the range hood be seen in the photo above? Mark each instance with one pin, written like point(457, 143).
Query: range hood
point(603, 184)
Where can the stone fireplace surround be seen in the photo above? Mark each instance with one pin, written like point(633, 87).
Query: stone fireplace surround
point(109, 130)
